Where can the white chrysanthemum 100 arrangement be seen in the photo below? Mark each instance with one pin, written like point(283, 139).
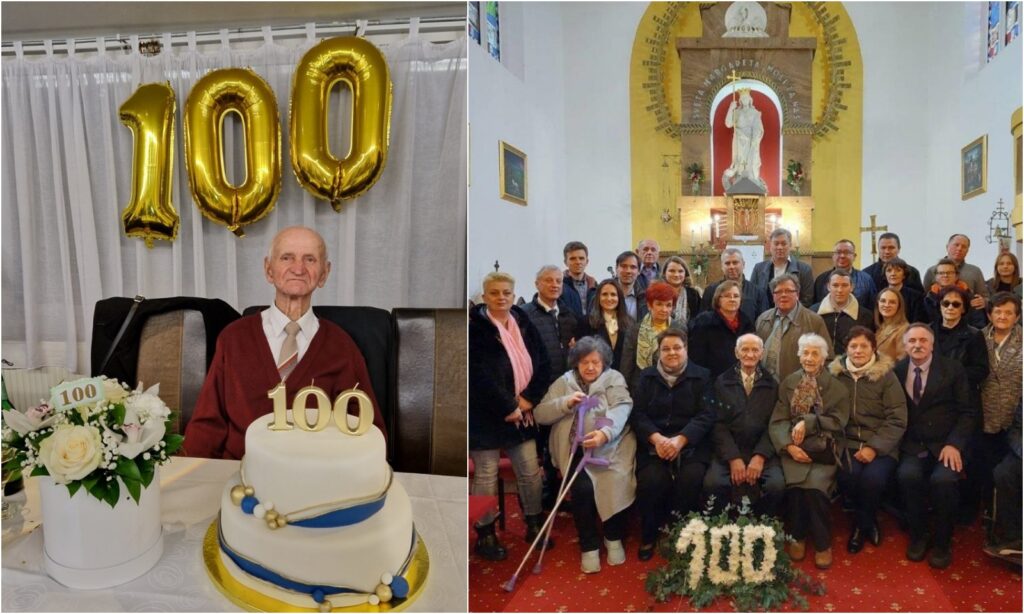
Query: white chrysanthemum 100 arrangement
point(742, 559)
point(90, 433)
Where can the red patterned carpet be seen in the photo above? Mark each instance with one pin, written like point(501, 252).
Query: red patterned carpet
point(874, 580)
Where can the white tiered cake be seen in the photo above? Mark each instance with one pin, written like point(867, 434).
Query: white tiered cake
point(315, 519)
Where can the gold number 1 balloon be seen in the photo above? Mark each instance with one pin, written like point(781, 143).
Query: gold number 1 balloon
point(149, 113)
point(241, 91)
point(361, 66)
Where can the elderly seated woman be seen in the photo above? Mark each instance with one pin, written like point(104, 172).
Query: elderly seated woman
point(672, 422)
point(604, 492)
point(745, 463)
point(807, 430)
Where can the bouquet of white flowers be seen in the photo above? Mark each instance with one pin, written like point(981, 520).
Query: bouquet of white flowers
point(90, 433)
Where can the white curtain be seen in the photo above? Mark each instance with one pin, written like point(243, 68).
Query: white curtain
point(66, 176)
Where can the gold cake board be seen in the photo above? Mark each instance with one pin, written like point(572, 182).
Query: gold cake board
point(255, 601)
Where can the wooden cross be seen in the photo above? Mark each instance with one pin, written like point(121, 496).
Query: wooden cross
point(496, 266)
point(872, 229)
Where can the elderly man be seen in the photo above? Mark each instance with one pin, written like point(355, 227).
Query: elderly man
point(745, 462)
point(579, 287)
point(940, 419)
point(285, 343)
point(627, 268)
point(956, 250)
point(649, 250)
point(843, 254)
point(781, 327)
point(780, 243)
point(753, 301)
point(889, 248)
point(841, 311)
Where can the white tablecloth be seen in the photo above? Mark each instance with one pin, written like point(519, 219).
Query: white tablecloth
point(190, 499)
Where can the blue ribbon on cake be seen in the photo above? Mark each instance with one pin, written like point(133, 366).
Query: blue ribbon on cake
point(318, 592)
point(336, 518)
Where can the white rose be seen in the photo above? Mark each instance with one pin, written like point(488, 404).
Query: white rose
point(71, 452)
point(113, 390)
point(144, 408)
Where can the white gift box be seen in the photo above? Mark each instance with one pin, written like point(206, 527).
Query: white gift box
point(87, 544)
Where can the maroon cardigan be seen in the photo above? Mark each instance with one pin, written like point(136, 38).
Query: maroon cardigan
point(243, 372)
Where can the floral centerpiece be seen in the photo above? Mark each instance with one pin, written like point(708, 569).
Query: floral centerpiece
point(711, 556)
point(795, 176)
point(94, 449)
point(118, 433)
point(695, 172)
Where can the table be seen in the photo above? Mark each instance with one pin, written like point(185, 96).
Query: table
point(190, 499)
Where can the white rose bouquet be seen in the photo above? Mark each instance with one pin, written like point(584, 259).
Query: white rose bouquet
point(90, 439)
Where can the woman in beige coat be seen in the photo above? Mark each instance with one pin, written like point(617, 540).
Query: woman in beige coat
point(598, 491)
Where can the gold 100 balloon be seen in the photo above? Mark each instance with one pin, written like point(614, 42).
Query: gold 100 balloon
point(149, 112)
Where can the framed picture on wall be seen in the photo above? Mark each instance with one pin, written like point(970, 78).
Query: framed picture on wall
point(974, 168)
point(512, 173)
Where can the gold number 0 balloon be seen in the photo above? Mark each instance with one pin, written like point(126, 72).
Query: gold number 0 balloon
point(149, 113)
point(362, 67)
point(241, 91)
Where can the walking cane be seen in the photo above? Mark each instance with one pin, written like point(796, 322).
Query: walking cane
point(582, 408)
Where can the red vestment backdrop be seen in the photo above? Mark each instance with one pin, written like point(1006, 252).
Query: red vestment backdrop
point(770, 146)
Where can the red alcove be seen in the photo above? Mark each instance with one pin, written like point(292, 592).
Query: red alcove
point(769, 143)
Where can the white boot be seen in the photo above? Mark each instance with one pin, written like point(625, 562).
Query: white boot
point(591, 561)
point(616, 553)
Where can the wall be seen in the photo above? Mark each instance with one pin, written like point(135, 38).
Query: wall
point(920, 111)
point(521, 102)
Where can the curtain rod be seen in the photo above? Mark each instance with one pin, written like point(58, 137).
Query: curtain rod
point(442, 25)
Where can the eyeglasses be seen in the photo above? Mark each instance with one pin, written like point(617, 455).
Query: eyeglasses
point(937, 273)
point(784, 292)
point(951, 304)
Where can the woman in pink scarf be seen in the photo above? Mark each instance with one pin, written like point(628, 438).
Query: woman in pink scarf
point(508, 375)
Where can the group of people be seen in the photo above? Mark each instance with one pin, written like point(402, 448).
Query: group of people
point(780, 389)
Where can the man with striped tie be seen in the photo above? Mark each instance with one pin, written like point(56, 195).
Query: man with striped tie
point(284, 343)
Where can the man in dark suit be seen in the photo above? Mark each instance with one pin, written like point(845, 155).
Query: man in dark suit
point(939, 425)
point(753, 301)
point(889, 248)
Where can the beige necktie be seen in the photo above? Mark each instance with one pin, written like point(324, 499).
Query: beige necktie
point(748, 383)
point(289, 355)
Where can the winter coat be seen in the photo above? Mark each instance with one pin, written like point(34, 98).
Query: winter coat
point(764, 272)
point(966, 345)
point(614, 485)
point(839, 323)
point(571, 297)
point(890, 341)
point(753, 301)
point(878, 406)
point(835, 413)
point(630, 370)
point(877, 273)
point(804, 321)
point(492, 394)
point(741, 428)
point(712, 344)
point(555, 333)
point(678, 410)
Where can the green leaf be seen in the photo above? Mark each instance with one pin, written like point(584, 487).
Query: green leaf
point(98, 488)
point(173, 443)
point(89, 482)
point(117, 413)
point(40, 470)
point(73, 487)
point(147, 469)
point(128, 470)
point(134, 489)
point(113, 493)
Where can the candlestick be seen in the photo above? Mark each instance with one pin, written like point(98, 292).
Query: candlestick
point(797, 244)
point(692, 242)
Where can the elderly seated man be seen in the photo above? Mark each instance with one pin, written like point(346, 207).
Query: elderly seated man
point(285, 343)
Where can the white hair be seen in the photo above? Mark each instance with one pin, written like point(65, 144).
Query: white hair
point(749, 337)
point(807, 340)
point(547, 268)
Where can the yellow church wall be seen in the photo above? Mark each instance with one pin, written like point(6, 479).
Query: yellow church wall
point(836, 155)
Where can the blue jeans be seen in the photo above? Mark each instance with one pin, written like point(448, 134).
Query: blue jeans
point(524, 465)
point(863, 485)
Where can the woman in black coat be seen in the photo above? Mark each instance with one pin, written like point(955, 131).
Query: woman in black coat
point(607, 319)
point(672, 422)
point(713, 334)
point(677, 275)
point(745, 462)
point(956, 339)
point(896, 272)
point(508, 376)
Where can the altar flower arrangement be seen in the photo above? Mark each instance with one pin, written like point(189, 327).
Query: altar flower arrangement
point(795, 175)
point(114, 432)
point(695, 171)
point(742, 559)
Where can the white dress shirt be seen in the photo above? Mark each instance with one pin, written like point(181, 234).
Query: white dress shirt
point(274, 322)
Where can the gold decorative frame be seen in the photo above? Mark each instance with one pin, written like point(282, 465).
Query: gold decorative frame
point(509, 178)
point(974, 168)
